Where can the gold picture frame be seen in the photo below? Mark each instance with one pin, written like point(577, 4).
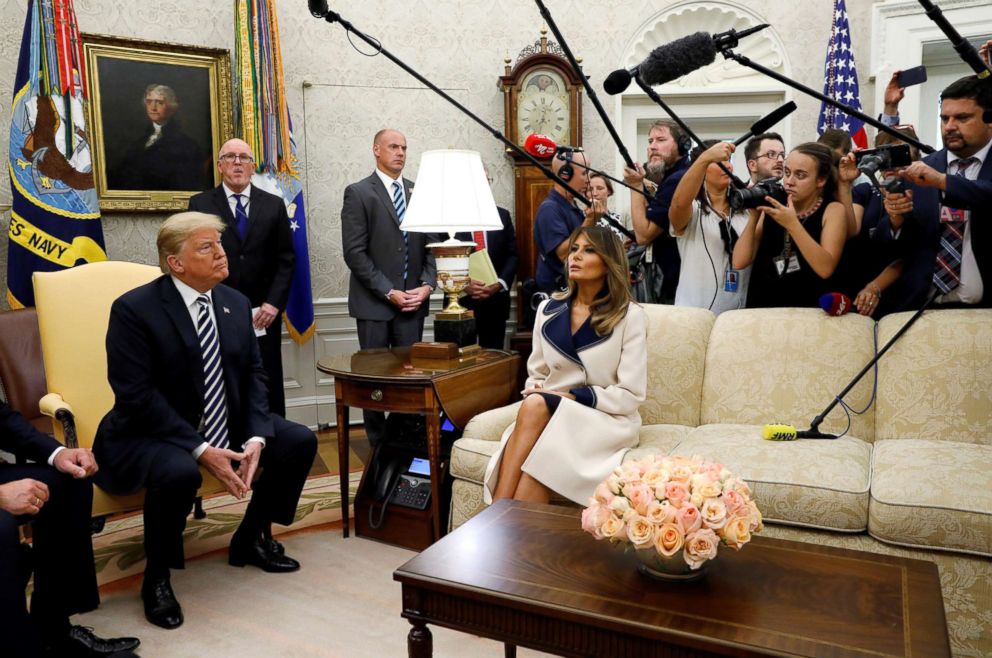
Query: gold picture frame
point(141, 166)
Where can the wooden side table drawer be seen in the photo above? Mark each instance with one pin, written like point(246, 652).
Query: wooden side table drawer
point(376, 397)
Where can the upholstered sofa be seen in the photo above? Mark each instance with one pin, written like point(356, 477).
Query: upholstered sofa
point(912, 476)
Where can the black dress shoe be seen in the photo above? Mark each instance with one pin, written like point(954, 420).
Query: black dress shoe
point(273, 546)
point(81, 641)
point(161, 606)
point(257, 553)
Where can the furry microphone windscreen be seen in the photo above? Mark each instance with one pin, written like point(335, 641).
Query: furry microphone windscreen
point(675, 59)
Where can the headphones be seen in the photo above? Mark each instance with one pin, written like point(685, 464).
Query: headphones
point(565, 153)
point(682, 142)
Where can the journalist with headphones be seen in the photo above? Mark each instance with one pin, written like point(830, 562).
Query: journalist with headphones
point(668, 160)
point(558, 215)
point(706, 228)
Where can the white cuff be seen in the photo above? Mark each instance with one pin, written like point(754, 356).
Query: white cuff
point(200, 449)
point(256, 439)
point(51, 457)
point(502, 283)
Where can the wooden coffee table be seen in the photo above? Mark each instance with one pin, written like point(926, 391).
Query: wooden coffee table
point(527, 575)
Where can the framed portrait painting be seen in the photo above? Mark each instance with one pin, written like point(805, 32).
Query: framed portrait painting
point(158, 115)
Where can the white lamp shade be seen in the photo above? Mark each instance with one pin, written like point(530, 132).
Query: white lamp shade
point(451, 195)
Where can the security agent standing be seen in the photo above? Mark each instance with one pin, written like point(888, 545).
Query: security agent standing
point(392, 273)
point(55, 494)
point(259, 247)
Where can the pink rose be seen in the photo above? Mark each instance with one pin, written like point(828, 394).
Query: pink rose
point(754, 517)
point(613, 528)
point(661, 512)
point(640, 497)
point(676, 492)
point(640, 532)
point(681, 473)
point(593, 518)
point(668, 539)
point(734, 502)
point(713, 513)
point(688, 518)
point(699, 547)
point(737, 532)
point(603, 494)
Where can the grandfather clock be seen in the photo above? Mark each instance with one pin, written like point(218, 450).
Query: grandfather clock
point(541, 94)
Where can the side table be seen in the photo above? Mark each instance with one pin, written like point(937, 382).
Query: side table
point(388, 379)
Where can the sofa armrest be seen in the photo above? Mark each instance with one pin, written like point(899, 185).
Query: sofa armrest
point(53, 406)
point(490, 425)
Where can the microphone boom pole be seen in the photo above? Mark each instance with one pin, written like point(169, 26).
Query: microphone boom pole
point(318, 6)
point(746, 61)
point(585, 83)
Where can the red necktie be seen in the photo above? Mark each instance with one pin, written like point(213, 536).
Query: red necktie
point(480, 239)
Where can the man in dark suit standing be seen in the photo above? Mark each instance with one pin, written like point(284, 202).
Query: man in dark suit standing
point(56, 494)
point(189, 391)
point(392, 273)
point(491, 303)
point(259, 246)
point(948, 232)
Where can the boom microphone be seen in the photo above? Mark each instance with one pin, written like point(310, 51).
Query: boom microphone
point(764, 123)
point(673, 60)
point(542, 146)
point(318, 8)
point(835, 303)
point(965, 50)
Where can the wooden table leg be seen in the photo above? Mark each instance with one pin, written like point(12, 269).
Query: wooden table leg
point(343, 442)
point(419, 642)
point(509, 650)
point(434, 456)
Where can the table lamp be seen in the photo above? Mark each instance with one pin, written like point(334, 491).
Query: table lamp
point(452, 195)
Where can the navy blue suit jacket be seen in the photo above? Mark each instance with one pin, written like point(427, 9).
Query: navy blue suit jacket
point(155, 369)
point(20, 438)
point(922, 231)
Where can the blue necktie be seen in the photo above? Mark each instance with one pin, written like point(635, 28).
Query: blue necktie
point(400, 204)
point(214, 395)
point(947, 273)
point(240, 216)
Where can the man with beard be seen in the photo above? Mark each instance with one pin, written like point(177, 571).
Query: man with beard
point(950, 224)
point(668, 160)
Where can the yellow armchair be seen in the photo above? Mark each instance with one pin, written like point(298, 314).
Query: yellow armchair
point(73, 312)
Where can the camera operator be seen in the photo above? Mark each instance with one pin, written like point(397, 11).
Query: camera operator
point(668, 157)
point(950, 224)
point(707, 228)
point(796, 251)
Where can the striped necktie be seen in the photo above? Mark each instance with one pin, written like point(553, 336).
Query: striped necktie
point(947, 270)
point(214, 396)
point(400, 204)
point(240, 216)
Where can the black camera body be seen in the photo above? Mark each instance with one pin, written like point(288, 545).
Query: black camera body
point(894, 185)
point(885, 157)
point(754, 196)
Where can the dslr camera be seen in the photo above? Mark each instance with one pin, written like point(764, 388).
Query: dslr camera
point(885, 157)
point(754, 196)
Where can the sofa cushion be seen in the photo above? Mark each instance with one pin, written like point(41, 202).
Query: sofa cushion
point(469, 458)
point(810, 482)
point(932, 494)
point(657, 438)
point(936, 381)
point(677, 344)
point(785, 365)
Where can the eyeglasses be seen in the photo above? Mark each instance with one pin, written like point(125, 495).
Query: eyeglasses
point(773, 155)
point(237, 157)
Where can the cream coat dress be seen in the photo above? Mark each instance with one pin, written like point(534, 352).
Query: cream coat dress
point(586, 438)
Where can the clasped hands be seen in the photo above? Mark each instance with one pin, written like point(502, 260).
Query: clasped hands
point(478, 290)
point(409, 300)
point(28, 496)
point(218, 462)
point(537, 387)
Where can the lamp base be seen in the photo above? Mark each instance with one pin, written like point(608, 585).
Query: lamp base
point(459, 331)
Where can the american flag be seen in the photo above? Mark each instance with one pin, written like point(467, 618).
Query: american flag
point(840, 80)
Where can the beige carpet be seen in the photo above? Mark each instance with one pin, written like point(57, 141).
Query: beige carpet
point(343, 603)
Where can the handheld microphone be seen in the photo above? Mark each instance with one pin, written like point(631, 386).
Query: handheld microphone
point(764, 123)
point(835, 303)
point(779, 432)
point(542, 146)
point(318, 8)
point(673, 60)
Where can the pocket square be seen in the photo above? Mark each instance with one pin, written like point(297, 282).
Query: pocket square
point(227, 310)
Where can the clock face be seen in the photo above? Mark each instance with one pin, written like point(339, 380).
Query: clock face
point(543, 106)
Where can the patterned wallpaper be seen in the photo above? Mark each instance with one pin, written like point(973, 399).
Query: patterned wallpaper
point(458, 44)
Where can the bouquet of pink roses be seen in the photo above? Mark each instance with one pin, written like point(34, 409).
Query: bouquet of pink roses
point(671, 505)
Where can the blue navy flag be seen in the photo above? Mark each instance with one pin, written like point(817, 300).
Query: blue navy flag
point(55, 216)
point(840, 80)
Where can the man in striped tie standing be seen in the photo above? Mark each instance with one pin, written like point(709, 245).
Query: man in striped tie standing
point(189, 392)
point(392, 273)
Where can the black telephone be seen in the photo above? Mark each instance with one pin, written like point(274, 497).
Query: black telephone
point(406, 487)
point(386, 481)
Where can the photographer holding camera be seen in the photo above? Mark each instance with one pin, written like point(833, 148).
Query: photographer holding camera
point(796, 251)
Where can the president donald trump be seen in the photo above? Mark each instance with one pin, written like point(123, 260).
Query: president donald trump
point(189, 390)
